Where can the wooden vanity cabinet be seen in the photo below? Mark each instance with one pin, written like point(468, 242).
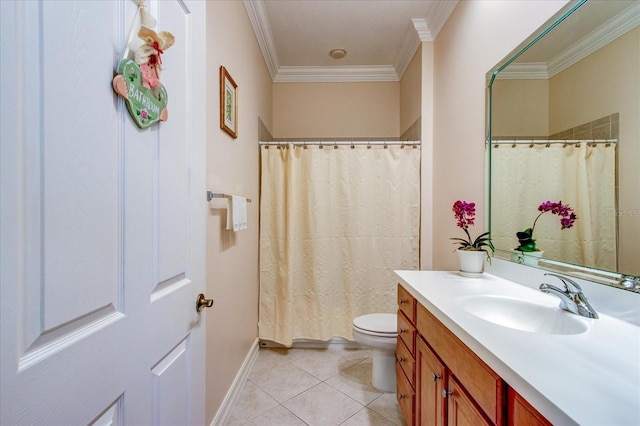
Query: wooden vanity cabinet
point(469, 379)
point(405, 354)
point(443, 382)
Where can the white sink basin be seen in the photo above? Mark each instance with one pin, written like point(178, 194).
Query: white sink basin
point(523, 315)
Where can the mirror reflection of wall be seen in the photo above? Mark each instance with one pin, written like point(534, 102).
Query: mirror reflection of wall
point(595, 100)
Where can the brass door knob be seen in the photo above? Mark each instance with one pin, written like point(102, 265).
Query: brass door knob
point(202, 302)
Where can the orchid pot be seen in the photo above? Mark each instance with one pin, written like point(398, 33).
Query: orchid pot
point(471, 261)
point(471, 253)
point(526, 258)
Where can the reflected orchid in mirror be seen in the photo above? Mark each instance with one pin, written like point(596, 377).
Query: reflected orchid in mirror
point(567, 219)
point(465, 214)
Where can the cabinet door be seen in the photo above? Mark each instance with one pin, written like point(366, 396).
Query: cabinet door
point(521, 413)
point(430, 375)
point(461, 411)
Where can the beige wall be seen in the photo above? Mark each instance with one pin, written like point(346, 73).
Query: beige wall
point(514, 99)
point(334, 110)
point(611, 77)
point(232, 167)
point(411, 93)
point(475, 38)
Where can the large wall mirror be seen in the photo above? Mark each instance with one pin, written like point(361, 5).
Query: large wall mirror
point(564, 126)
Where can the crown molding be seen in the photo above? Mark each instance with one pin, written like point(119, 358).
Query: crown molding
point(617, 26)
point(605, 34)
point(417, 33)
point(262, 29)
point(525, 71)
point(339, 74)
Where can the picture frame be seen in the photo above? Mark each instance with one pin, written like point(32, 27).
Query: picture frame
point(228, 103)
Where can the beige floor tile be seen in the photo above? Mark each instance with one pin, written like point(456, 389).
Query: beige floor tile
point(355, 382)
point(326, 363)
point(278, 416)
point(271, 357)
point(367, 417)
point(284, 381)
point(317, 387)
point(387, 405)
point(323, 405)
point(251, 403)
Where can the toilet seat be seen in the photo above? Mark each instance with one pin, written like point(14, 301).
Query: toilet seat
point(381, 325)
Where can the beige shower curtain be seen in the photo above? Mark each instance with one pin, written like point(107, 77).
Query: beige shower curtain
point(582, 176)
point(334, 224)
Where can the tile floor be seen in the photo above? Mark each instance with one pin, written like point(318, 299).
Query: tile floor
point(315, 387)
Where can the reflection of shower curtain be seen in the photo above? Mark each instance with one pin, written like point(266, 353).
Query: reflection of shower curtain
point(334, 224)
point(584, 177)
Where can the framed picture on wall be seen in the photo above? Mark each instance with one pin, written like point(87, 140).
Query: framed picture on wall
point(228, 103)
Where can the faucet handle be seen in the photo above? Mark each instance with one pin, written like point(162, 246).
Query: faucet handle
point(566, 298)
point(569, 284)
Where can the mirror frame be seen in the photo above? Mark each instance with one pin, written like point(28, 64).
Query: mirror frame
point(610, 278)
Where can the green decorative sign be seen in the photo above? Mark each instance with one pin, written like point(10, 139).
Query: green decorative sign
point(145, 107)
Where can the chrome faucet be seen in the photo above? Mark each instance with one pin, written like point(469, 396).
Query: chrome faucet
point(572, 298)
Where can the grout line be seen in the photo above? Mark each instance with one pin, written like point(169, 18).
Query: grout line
point(291, 362)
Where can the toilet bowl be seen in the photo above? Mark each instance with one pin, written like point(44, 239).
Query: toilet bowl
point(379, 332)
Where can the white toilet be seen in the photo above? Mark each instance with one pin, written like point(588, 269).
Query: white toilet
point(380, 333)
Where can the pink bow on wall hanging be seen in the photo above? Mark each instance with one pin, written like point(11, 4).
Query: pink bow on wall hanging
point(138, 80)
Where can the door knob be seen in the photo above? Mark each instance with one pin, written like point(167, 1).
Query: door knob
point(202, 302)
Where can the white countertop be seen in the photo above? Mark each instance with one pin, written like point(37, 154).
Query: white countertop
point(591, 378)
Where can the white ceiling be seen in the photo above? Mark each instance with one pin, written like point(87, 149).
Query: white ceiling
point(380, 36)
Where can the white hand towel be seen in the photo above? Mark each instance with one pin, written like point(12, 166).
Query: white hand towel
point(237, 213)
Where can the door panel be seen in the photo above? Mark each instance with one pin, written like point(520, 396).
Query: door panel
point(172, 154)
point(102, 223)
point(78, 148)
point(170, 384)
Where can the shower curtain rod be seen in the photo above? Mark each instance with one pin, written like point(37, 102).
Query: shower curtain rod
point(549, 142)
point(340, 143)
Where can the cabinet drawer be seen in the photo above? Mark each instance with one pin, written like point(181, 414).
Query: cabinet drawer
point(405, 395)
point(407, 362)
point(480, 381)
point(407, 333)
point(407, 304)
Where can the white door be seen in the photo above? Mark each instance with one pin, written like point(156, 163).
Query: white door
point(102, 252)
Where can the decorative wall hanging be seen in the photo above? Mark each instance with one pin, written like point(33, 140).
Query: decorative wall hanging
point(228, 103)
point(138, 80)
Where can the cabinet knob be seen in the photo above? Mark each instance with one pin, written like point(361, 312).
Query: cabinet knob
point(401, 330)
point(400, 359)
point(400, 396)
point(446, 393)
point(434, 376)
point(402, 301)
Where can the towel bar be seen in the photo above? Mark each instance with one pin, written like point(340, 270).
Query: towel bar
point(212, 195)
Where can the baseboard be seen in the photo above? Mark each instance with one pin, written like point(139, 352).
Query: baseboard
point(236, 387)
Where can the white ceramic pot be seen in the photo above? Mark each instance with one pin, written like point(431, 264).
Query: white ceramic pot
point(471, 261)
point(530, 258)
